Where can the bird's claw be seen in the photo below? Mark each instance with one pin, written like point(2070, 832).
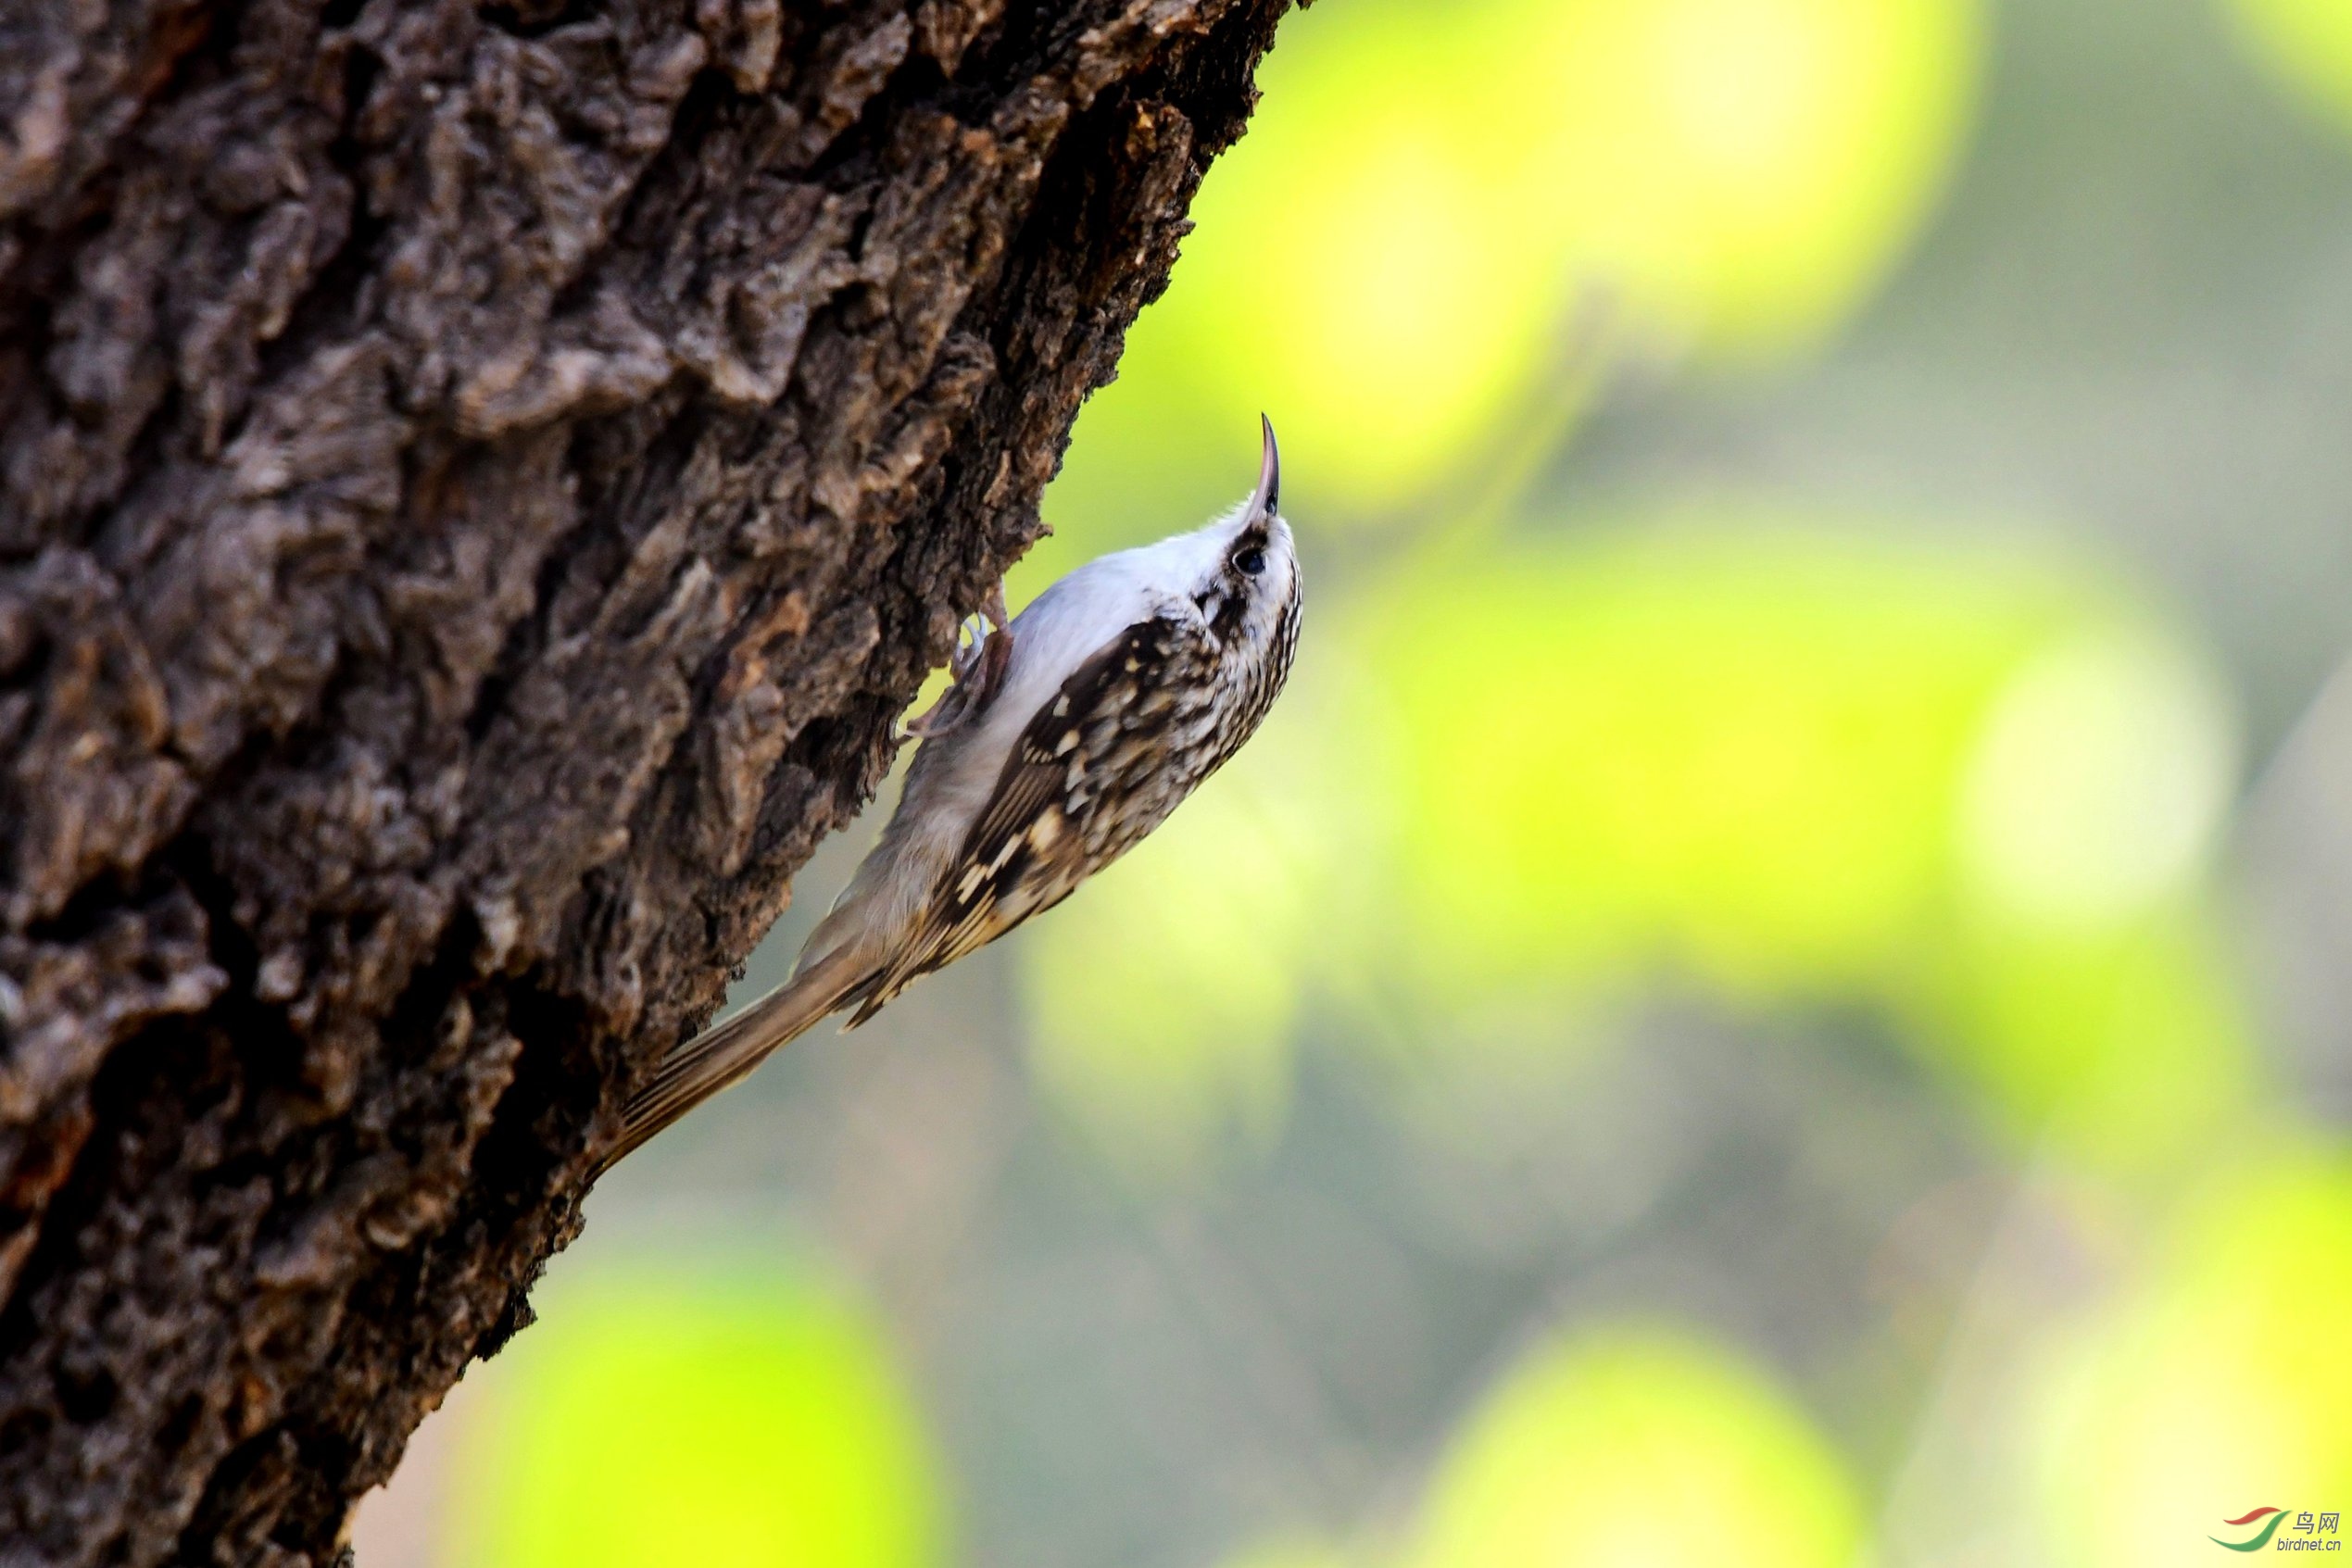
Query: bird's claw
point(975, 669)
point(994, 646)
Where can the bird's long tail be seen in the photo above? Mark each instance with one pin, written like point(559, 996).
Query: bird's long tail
point(721, 1055)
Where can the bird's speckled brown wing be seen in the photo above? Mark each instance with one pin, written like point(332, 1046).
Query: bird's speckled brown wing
point(1094, 772)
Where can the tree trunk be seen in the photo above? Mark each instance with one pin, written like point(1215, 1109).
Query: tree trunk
point(476, 483)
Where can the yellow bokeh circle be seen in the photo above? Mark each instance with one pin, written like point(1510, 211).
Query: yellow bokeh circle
point(2306, 45)
point(1639, 1447)
point(754, 1422)
point(1392, 258)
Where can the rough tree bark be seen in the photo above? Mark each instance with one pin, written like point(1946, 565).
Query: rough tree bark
point(476, 483)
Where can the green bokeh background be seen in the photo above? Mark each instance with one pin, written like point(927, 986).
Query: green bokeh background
point(1778, 990)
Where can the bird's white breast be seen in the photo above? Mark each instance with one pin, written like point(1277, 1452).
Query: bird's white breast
point(954, 775)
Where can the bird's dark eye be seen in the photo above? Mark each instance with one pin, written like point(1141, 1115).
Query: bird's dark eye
point(1250, 562)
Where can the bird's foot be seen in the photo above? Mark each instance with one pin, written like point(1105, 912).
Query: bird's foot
point(994, 648)
point(975, 669)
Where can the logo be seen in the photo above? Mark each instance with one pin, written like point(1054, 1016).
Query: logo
point(2307, 1529)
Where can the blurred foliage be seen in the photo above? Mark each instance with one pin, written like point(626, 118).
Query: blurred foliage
point(1792, 765)
point(2220, 1375)
point(2308, 45)
point(743, 1420)
point(1623, 1445)
point(1392, 260)
point(1292, 1554)
point(1157, 1054)
point(1737, 748)
point(1638, 1448)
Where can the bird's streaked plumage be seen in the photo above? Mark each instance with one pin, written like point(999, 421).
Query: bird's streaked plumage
point(1069, 735)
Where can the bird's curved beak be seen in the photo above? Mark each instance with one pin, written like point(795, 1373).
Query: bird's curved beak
point(1268, 499)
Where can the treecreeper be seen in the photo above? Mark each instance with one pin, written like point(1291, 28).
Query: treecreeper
point(1070, 733)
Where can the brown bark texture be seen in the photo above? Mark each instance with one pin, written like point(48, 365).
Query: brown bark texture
point(477, 481)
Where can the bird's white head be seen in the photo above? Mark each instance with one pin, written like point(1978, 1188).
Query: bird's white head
point(1242, 570)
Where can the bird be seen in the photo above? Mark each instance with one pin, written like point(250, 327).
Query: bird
point(1067, 733)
